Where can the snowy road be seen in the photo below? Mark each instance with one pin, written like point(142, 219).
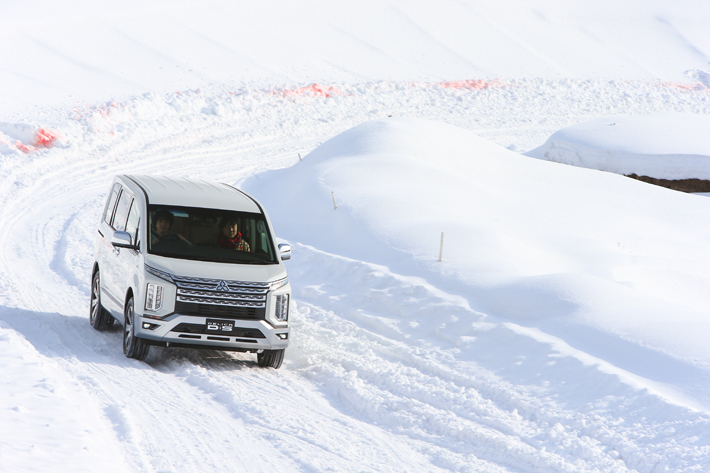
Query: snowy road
point(371, 381)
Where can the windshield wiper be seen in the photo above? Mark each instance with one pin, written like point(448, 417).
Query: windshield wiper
point(211, 260)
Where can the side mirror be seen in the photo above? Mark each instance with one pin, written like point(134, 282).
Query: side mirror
point(285, 251)
point(123, 240)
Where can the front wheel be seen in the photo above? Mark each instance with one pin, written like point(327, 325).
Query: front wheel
point(99, 318)
point(272, 358)
point(133, 347)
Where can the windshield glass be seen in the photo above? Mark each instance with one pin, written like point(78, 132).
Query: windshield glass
point(209, 235)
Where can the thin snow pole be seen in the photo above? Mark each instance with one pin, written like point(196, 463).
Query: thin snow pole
point(299, 157)
point(441, 247)
point(335, 206)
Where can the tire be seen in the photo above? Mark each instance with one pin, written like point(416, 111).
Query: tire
point(133, 347)
point(271, 358)
point(99, 318)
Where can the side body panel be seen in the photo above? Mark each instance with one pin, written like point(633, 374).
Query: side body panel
point(104, 249)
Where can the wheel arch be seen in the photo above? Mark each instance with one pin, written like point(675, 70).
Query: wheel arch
point(129, 294)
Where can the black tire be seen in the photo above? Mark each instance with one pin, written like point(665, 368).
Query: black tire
point(133, 347)
point(99, 318)
point(271, 358)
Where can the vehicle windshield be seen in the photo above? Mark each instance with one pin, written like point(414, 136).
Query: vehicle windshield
point(209, 235)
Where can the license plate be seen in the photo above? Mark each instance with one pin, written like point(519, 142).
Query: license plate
point(219, 326)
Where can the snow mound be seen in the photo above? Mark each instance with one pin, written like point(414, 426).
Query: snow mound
point(20, 137)
point(519, 235)
point(663, 146)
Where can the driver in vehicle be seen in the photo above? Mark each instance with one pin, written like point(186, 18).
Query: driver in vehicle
point(230, 238)
point(162, 222)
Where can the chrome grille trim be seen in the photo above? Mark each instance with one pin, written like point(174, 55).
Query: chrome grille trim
point(233, 288)
point(221, 295)
point(186, 279)
point(221, 292)
point(197, 300)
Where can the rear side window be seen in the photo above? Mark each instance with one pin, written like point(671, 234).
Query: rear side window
point(119, 219)
point(111, 203)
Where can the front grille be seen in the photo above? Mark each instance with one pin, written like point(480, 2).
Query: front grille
point(218, 298)
point(223, 312)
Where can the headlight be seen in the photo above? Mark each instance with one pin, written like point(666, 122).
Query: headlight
point(159, 274)
point(154, 297)
point(278, 284)
point(281, 312)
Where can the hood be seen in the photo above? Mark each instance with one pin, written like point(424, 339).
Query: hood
point(224, 271)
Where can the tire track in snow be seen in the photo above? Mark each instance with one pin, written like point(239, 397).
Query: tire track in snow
point(439, 382)
point(274, 405)
point(160, 423)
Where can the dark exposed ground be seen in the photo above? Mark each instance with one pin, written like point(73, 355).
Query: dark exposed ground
point(683, 185)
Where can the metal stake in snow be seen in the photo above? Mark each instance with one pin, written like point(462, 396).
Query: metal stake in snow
point(441, 247)
point(335, 206)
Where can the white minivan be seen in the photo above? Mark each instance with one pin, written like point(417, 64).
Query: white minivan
point(190, 263)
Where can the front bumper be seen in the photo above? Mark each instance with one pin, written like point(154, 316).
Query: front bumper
point(189, 331)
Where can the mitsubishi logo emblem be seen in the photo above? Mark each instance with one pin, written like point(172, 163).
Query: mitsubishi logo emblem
point(222, 286)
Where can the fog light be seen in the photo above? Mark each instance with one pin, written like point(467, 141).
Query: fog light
point(148, 326)
point(282, 336)
point(281, 312)
point(154, 297)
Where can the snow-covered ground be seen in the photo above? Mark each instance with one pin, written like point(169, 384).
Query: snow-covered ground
point(564, 329)
point(83, 51)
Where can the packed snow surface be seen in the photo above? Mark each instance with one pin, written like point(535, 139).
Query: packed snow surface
point(563, 331)
point(662, 145)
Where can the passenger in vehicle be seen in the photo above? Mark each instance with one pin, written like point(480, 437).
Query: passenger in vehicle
point(229, 237)
point(162, 223)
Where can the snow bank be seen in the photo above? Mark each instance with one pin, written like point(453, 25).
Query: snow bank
point(606, 260)
point(500, 110)
point(663, 146)
point(25, 138)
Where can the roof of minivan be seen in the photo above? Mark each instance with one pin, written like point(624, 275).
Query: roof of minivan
point(183, 192)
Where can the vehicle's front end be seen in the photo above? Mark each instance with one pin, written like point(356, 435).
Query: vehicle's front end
point(189, 306)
